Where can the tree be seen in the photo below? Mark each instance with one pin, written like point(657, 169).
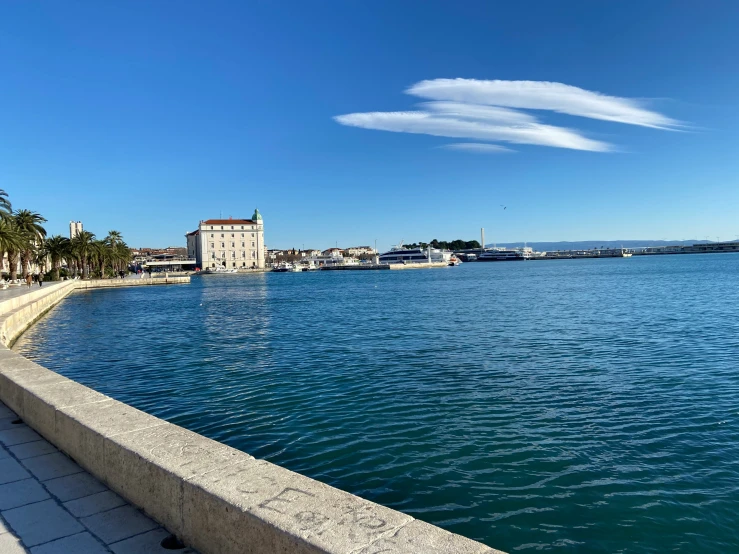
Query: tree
point(28, 224)
point(83, 248)
point(5, 207)
point(113, 238)
point(57, 247)
point(99, 255)
point(122, 256)
point(10, 241)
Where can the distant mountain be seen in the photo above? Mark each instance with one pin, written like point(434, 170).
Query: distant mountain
point(588, 244)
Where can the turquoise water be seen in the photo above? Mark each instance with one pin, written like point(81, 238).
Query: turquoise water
point(569, 405)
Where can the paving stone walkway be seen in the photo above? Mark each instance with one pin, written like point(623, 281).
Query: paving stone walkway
point(50, 505)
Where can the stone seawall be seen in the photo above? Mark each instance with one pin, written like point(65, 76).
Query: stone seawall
point(215, 498)
point(132, 282)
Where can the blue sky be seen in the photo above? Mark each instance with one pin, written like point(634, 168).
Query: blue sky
point(148, 116)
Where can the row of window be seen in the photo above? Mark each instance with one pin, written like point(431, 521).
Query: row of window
point(232, 235)
point(233, 255)
point(232, 227)
point(243, 264)
point(233, 245)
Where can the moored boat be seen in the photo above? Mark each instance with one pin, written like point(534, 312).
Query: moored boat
point(505, 255)
point(400, 255)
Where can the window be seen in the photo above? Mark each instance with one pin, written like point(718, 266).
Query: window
point(233, 255)
point(242, 234)
point(212, 245)
point(242, 227)
point(211, 227)
point(253, 255)
point(232, 227)
point(243, 245)
point(221, 227)
point(223, 245)
point(233, 245)
point(211, 235)
point(252, 235)
point(221, 235)
point(243, 254)
point(252, 245)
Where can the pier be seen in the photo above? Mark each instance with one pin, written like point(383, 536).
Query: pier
point(367, 267)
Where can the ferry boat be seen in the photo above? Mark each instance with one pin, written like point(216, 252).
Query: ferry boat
point(400, 255)
point(454, 261)
point(503, 255)
point(283, 267)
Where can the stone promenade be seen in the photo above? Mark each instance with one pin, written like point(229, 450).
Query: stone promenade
point(50, 505)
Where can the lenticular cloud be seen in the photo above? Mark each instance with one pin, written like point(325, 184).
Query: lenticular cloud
point(492, 111)
point(542, 95)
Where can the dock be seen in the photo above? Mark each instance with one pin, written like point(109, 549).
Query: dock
point(369, 267)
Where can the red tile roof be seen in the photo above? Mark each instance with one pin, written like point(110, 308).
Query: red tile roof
point(229, 222)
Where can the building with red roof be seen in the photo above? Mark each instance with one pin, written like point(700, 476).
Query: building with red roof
point(228, 243)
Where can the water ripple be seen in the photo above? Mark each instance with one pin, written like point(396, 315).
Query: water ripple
point(575, 406)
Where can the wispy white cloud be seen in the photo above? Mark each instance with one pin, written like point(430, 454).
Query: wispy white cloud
point(478, 148)
point(491, 111)
point(448, 126)
point(543, 95)
point(477, 111)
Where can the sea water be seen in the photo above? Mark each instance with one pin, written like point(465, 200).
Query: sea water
point(564, 405)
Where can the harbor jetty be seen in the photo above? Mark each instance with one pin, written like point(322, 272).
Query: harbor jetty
point(365, 267)
point(207, 495)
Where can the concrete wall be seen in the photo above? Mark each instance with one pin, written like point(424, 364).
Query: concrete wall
point(132, 282)
point(215, 498)
point(16, 314)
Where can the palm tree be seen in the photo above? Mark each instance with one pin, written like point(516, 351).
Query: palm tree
point(83, 247)
point(28, 224)
point(5, 207)
point(10, 241)
point(101, 253)
point(41, 257)
point(57, 248)
point(124, 255)
point(113, 238)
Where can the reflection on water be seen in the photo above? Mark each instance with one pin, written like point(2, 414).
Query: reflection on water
point(571, 405)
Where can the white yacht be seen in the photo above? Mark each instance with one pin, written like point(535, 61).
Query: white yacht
point(283, 267)
point(504, 255)
point(400, 255)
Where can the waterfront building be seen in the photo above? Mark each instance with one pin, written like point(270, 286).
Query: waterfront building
point(228, 243)
point(360, 250)
point(333, 252)
point(75, 228)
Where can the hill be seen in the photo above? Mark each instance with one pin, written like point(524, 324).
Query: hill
point(588, 244)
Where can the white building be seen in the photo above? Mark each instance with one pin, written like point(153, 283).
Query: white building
point(333, 252)
point(75, 228)
point(359, 250)
point(229, 243)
